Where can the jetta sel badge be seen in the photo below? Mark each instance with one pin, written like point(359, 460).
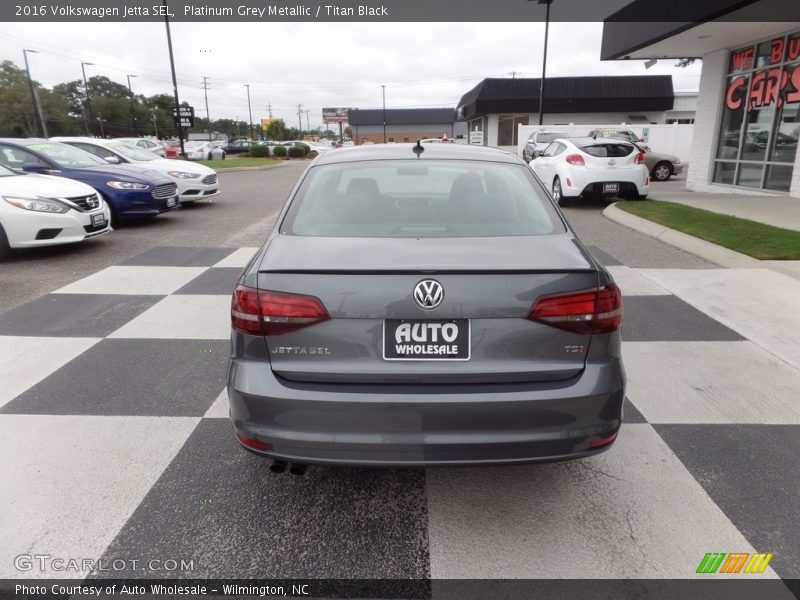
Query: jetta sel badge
point(426, 339)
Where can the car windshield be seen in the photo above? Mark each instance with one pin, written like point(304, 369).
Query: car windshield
point(545, 137)
point(65, 155)
point(132, 152)
point(410, 199)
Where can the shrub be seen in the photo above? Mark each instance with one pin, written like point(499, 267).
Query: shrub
point(259, 151)
point(297, 151)
point(279, 151)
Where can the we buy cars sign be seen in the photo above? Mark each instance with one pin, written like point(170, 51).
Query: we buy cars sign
point(184, 118)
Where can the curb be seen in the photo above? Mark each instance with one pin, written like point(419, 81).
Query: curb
point(711, 252)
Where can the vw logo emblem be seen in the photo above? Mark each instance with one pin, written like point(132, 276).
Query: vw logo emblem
point(428, 294)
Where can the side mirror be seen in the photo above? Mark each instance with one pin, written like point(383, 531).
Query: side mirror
point(32, 167)
point(112, 160)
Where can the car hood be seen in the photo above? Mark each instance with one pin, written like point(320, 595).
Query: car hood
point(512, 253)
point(129, 173)
point(46, 186)
point(162, 165)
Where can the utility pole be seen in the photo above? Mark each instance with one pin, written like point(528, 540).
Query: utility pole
point(269, 110)
point(544, 59)
point(133, 111)
point(249, 110)
point(208, 116)
point(155, 125)
point(37, 110)
point(174, 82)
point(300, 119)
point(308, 123)
point(383, 90)
point(100, 119)
point(88, 98)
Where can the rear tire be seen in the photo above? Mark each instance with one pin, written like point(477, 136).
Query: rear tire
point(5, 247)
point(558, 195)
point(640, 197)
point(210, 156)
point(662, 171)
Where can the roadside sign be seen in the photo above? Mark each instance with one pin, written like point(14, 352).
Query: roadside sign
point(476, 137)
point(335, 115)
point(185, 118)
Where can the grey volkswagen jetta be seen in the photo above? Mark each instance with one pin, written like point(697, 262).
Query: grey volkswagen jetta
point(418, 306)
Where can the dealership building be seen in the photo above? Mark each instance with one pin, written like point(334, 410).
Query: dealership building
point(747, 121)
point(402, 124)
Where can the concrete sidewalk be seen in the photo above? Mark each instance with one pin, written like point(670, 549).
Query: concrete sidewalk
point(777, 210)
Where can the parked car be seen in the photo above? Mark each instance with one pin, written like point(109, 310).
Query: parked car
point(313, 151)
point(618, 134)
point(240, 146)
point(39, 210)
point(203, 151)
point(538, 141)
point(424, 307)
point(146, 144)
point(661, 166)
point(580, 167)
point(129, 190)
point(194, 181)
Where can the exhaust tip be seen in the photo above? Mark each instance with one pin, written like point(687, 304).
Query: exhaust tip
point(297, 469)
point(278, 466)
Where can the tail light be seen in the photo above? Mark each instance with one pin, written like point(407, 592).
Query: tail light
point(264, 312)
point(603, 441)
point(586, 311)
point(575, 159)
point(252, 442)
point(639, 158)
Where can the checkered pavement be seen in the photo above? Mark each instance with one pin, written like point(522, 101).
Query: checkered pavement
point(115, 443)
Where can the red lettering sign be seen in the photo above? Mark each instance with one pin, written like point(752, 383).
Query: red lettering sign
point(794, 96)
point(731, 102)
point(793, 49)
point(765, 88)
point(776, 51)
point(742, 60)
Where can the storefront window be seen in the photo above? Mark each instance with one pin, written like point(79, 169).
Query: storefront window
point(760, 125)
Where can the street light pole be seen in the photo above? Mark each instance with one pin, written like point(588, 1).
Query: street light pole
point(544, 59)
point(308, 123)
point(37, 110)
point(133, 111)
point(155, 125)
point(383, 91)
point(88, 98)
point(208, 115)
point(174, 81)
point(249, 111)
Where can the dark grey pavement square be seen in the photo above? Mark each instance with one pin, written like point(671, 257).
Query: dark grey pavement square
point(222, 507)
point(752, 472)
point(74, 315)
point(220, 280)
point(167, 256)
point(631, 414)
point(604, 257)
point(132, 377)
point(668, 319)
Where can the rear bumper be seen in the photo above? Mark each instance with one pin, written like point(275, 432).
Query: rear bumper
point(426, 425)
point(629, 180)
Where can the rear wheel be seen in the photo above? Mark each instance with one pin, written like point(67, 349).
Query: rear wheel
point(639, 197)
point(662, 171)
point(210, 156)
point(558, 194)
point(5, 247)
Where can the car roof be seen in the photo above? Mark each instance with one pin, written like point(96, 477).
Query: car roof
point(24, 141)
point(405, 152)
point(590, 141)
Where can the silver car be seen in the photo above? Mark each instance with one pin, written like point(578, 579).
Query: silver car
point(424, 305)
point(538, 141)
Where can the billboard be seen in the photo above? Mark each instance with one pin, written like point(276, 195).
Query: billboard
point(334, 115)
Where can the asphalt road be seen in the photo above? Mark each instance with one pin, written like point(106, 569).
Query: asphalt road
point(240, 216)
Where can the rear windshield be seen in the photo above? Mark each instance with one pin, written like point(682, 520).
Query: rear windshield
point(612, 150)
point(420, 199)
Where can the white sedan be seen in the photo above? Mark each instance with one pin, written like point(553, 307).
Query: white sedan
point(43, 210)
point(203, 151)
point(146, 144)
point(195, 182)
point(581, 167)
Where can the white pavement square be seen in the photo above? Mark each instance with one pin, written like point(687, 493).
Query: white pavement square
point(632, 512)
point(759, 304)
point(196, 317)
point(134, 281)
point(633, 284)
point(711, 382)
point(218, 410)
point(25, 361)
point(71, 482)
point(240, 258)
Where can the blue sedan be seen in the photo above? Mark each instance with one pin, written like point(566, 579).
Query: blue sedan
point(130, 192)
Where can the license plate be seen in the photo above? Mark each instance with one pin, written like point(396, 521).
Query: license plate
point(172, 201)
point(611, 187)
point(426, 339)
point(98, 220)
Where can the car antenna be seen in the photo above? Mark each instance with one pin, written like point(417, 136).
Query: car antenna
point(418, 149)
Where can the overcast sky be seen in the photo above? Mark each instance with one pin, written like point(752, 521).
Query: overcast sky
point(316, 64)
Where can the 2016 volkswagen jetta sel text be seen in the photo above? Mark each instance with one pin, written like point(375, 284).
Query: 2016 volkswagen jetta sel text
point(424, 306)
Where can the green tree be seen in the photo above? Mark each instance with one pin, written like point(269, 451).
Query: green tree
point(17, 118)
point(276, 130)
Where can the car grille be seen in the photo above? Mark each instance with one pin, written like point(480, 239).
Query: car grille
point(165, 190)
point(86, 203)
point(209, 179)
